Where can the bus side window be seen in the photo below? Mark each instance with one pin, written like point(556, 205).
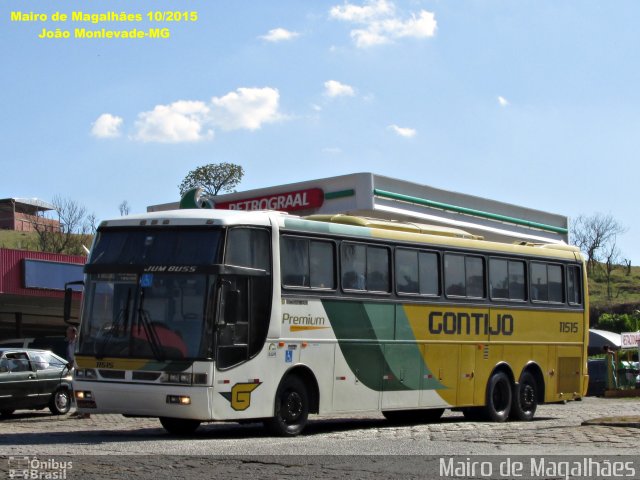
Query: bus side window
point(573, 285)
point(248, 247)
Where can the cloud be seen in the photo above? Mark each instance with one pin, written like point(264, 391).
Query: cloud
point(181, 121)
point(368, 12)
point(246, 108)
point(107, 126)
point(403, 131)
point(193, 121)
point(332, 150)
point(503, 101)
point(333, 88)
point(279, 35)
point(378, 23)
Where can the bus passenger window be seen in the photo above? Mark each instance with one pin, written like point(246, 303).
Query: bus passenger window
point(294, 260)
point(417, 272)
point(429, 275)
point(354, 262)
point(498, 278)
point(407, 271)
point(506, 279)
point(248, 247)
point(556, 286)
point(474, 276)
point(454, 275)
point(573, 285)
point(538, 278)
point(377, 269)
point(307, 263)
point(321, 265)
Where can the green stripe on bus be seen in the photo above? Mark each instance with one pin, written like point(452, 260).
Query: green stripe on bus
point(375, 358)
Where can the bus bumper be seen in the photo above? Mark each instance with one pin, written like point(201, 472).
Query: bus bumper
point(173, 401)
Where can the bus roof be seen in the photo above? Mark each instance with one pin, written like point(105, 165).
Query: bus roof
point(193, 217)
point(347, 225)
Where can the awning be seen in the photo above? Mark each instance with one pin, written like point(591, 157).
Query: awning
point(600, 338)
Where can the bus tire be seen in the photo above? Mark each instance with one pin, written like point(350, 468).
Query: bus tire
point(291, 408)
point(499, 396)
point(525, 398)
point(179, 426)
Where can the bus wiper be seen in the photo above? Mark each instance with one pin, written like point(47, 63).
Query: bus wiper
point(123, 313)
point(150, 331)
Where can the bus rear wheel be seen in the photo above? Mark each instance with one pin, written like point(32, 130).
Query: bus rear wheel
point(499, 396)
point(525, 398)
point(179, 426)
point(291, 408)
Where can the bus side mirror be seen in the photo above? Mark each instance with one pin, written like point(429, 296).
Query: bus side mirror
point(68, 296)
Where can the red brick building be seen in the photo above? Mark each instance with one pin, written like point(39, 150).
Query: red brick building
point(23, 214)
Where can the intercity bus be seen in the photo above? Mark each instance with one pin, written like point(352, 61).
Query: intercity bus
point(208, 315)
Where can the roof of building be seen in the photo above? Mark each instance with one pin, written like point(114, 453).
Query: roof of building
point(34, 203)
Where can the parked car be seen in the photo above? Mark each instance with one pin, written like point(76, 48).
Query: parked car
point(33, 379)
point(57, 344)
point(597, 368)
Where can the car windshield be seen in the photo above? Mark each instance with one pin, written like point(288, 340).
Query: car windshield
point(151, 315)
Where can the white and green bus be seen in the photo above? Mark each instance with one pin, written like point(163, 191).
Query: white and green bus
point(208, 315)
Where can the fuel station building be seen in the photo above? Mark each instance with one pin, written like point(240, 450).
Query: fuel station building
point(377, 196)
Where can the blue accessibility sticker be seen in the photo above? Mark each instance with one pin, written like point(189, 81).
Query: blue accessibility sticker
point(288, 356)
point(146, 280)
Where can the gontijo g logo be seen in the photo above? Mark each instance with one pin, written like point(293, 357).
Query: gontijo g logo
point(240, 395)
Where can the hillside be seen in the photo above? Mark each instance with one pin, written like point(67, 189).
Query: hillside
point(18, 240)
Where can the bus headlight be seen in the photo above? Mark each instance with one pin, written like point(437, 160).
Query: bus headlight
point(179, 399)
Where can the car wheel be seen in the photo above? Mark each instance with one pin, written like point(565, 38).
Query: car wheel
point(179, 426)
point(6, 413)
point(291, 408)
point(60, 402)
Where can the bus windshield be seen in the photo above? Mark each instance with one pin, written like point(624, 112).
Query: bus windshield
point(146, 292)
point(153, 315)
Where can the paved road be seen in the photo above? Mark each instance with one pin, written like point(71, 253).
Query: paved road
point(360, 444)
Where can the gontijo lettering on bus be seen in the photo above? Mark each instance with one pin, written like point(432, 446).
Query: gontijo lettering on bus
point(474, 323)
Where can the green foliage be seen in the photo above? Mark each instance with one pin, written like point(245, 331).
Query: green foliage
point(614, 322)
point(18, 240)
point(213, 178)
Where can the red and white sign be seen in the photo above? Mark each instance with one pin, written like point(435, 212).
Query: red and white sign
point(630, 339)
point(285, 202)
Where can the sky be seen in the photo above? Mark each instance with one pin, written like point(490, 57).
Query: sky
point(535, 103)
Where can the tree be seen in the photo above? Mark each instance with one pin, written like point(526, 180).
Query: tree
point(213, 178)
point(592, 234)
point(611, 260)
point(124, 208)
point(75, 229)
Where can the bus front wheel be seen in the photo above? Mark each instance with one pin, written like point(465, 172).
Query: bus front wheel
point(525, 398)
point(499, 397)
point(179, 426)
point(291, 408)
